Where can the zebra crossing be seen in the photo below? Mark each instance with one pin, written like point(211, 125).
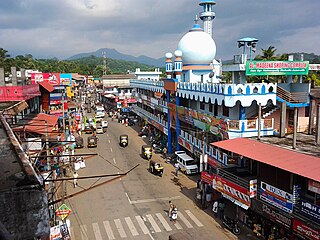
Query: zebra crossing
point(129, 227)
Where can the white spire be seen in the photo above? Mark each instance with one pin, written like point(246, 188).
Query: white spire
point(207, 15)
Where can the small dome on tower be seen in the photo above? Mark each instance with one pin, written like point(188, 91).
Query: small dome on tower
point(197, 47)
point(168, 55)
point(178, 53)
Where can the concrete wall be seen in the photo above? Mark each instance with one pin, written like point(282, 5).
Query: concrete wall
point(24, 213)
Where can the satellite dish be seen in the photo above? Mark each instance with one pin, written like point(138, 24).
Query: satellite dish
point(211, 75)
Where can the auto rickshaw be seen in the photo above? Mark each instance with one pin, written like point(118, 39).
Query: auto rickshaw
point(92, 141)
point(146, 151)
point(123, 141)
point(155, 168)
point(79, 142)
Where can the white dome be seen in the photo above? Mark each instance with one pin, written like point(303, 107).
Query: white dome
point(197, 47)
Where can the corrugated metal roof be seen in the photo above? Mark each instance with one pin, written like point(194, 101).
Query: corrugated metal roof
point(289, 160)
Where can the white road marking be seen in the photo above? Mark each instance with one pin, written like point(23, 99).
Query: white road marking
point(164, 222)
point(142, 225)
point(186, 222)
point(111, 150)
point(193, 217)
point(178, 226)
point(120, 228)
point(84, 232)
point(108, 229)
point(108, 135)
point(154, 200)
point(114, 160)
point(96, 231)
point(153, 223)
point(131, 227)
point(128, 198)
point(109, 141)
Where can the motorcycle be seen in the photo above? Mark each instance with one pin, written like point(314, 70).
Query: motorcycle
point(231, 224)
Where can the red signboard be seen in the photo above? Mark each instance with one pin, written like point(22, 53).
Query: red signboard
point(18, 93)
point(305, 231)
point(52, 78)
point(206, 177)
point(232, 191)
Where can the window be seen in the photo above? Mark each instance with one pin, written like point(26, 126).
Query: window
point(202, 105)
point(225, 111)
point(211, 107)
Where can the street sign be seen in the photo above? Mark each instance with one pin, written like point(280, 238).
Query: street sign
point(63, 211)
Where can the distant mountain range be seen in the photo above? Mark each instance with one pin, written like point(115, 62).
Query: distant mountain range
point(114, 54)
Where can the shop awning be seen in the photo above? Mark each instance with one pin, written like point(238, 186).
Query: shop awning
point(301, 164)
point(40, 124)
point(46, 85)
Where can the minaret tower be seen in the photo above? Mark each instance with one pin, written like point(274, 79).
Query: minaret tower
point(207, 15)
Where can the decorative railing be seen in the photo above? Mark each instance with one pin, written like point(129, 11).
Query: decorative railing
point(249, 124)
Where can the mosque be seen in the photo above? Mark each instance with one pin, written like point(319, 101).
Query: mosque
point(194, 109)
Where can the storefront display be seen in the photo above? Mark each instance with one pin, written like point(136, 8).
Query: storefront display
point(305, 231)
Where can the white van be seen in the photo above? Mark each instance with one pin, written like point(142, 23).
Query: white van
point(187, 164)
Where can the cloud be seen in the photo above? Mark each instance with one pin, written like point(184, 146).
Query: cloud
point(62, 28)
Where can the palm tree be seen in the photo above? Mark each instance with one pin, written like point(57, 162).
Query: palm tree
point(268, 54)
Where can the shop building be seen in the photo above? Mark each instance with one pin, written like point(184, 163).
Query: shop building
point(272, 190)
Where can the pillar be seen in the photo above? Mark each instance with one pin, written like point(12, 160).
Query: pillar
point(177, 124)
point(318, 126)
point(295, 123)
point(242, 112)
point(283, 119)
point(2, 82)
point(259, 122)
point(311, 116)
point(14, 76)
point(169, 124)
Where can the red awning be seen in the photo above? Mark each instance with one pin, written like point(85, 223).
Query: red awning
point(39, 124)
point(301, 164)
point(46, 85)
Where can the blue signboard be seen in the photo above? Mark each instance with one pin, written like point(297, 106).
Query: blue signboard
point(276, 197)
point(310, 210)
point(66, 79)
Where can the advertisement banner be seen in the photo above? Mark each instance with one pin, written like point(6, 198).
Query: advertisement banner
point(237, 194)
point(253, 188)
point(265, 68)
point(52, 78)
point(55, 233)
point(276, 197)
point(310, 210)
point(206, 177)
point(66, 79)
point(305, 231)
point(185, 144)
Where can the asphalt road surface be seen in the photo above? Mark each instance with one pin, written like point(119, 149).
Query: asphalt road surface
point(136, 205)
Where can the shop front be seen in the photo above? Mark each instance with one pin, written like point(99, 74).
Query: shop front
point(266, 221)
point(304, 230)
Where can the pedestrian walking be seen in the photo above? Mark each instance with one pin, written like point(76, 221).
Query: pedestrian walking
point(75, 179)
point(177, 167)
point(171, 206)
point(215, 208)
point(221, 206)
point(174, 214)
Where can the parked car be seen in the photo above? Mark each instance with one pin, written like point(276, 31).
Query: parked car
point(104, 125)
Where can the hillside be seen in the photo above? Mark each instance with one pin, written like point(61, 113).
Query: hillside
point(114, 54)
point(113, 66)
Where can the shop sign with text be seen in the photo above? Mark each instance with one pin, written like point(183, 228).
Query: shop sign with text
point(314, 186)
point(265, 68)
point(185, 144)
point(305, 231)
point(276, 197)
point(310, 210)
point(239, 195)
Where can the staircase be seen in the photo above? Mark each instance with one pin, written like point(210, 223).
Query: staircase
point(292, 97)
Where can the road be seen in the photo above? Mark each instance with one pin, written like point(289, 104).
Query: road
point(135, 206)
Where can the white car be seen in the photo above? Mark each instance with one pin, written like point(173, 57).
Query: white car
point(99, 130)
point(104, 124)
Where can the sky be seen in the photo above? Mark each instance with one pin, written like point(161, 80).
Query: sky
point(62, 28)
